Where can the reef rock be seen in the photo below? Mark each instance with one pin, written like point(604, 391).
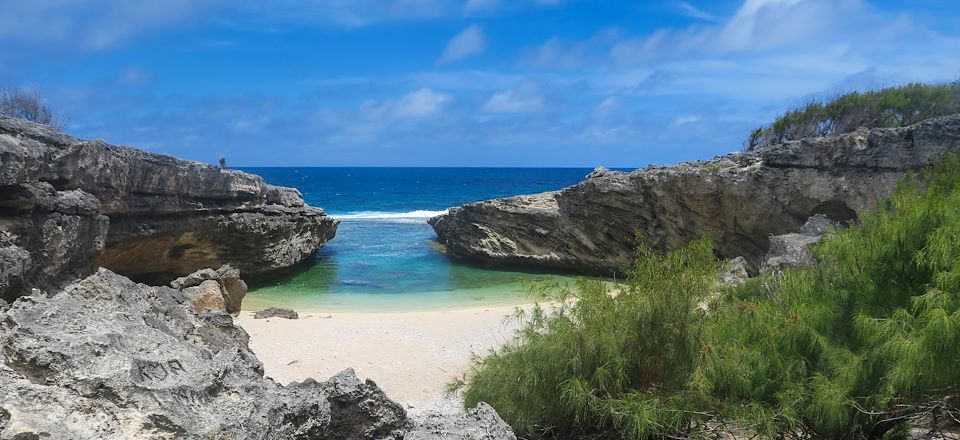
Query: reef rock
point(739, 200)
point(276, 312)
point(106, 358)
point(73, 205)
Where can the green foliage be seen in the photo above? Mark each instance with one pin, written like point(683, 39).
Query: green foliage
point(890, 107)
point(856, 347)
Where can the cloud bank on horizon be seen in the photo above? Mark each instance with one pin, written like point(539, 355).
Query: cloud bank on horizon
point(458, 82)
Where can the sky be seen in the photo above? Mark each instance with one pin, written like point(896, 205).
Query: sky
point(535, 83)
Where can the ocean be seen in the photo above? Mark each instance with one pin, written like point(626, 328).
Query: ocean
point(385, 257)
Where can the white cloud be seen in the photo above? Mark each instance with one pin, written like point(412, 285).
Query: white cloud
point(470, 41)
point(417, 104)
point(525, 98)
point(696, 12)
point(686, 119)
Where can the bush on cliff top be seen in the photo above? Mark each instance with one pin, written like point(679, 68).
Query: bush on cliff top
point(29, 105)
point(891, 107)
point(859, 346)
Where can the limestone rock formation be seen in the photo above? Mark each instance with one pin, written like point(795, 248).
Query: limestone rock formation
point(73, 205)
point(107, 358)
point(739, 200)
point(276, 312)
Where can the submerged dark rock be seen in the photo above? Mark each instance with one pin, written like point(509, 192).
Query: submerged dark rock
point(739, 200)
point(73, 205)
point(107, 358)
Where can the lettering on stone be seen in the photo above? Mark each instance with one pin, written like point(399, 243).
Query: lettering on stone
point(191, 398)
point(158, 371)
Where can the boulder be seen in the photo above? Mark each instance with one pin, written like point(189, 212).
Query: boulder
point(480, 423)
point(739, 200)
point(107, 358)
point(795, 250)
point(231, 287)
point(206, 296)
point(276, 312)
point(733, 273)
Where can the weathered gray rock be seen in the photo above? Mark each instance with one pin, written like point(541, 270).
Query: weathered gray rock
point(206, 296)
point(739, 200)
point(47, 237)
point(234, 288)
point(74, 205)
point(734, 272)
point(794, 250)
point(480, 423)
point(229, 285)
point(107, 358)
point(276, 312)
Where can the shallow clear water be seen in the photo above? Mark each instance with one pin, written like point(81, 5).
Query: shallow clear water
point(385, 257)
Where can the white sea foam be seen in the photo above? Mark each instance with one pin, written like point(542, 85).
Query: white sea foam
point(377, 215)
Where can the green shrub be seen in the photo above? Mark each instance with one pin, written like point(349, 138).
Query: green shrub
point(891, 107)
point(859, 346)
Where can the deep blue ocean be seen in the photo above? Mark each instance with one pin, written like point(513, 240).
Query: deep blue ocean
point(385, 256)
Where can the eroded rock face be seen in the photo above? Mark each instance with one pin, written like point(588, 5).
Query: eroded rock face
point(739, 200)
point(107, 358)
point(73, 205)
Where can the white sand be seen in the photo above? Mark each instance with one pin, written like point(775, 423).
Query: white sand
point(410, 355)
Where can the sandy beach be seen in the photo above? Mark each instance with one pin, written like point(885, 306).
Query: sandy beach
point(411, 355)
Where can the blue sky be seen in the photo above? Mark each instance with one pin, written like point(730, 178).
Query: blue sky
point(458, 82)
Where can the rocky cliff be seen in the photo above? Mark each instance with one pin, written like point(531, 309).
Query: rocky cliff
point(106, 358)
point(739, 200)
point(68, 206)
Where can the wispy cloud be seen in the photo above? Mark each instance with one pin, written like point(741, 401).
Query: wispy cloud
point(696, 12)
point(470, 41)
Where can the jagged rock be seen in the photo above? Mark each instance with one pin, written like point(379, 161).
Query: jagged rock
point(601, 171)
point(739, 200)
point(206, 296)
point(47, 237)
point(74, 205)
point(734, 272)
point(796, 249)
point(107, 358)
point(231, 288)
point(276, 312)
point(234, 287)
point(194, 279)
point(480, 423)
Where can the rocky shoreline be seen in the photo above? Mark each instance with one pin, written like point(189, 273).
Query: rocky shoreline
point(107, 358)
point(739, 200)
point(68, 206)
point(86, 353)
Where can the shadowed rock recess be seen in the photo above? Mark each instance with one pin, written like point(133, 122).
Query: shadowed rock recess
point(68, 206)
point(107, 358)
point(739, 200)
